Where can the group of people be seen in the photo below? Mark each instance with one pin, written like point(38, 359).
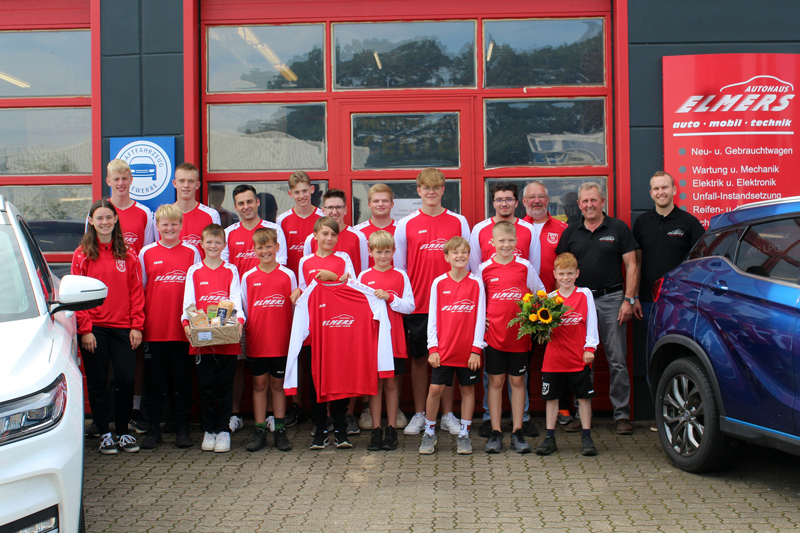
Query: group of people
point(353, 308)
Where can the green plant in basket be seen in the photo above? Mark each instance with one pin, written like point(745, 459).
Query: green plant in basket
point(538, 315)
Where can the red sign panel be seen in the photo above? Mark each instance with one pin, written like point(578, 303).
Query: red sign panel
point(729, 129)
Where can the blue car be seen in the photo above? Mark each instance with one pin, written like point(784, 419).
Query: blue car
point(721, 348)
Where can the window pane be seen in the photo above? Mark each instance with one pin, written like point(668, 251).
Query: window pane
point(771, 250)
point(563, 193)
point(267, 137)
point(405, 141)
point(273, 195)
point(19, 301)
point(56, 214)
point(526, 53)
point(545, 132)
point(715, 245)
point(45, 63)
point(45, 141)
point(406, 199)
point(402, 55)
point(266, 58)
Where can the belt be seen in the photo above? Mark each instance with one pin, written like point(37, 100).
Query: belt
point(602, 292)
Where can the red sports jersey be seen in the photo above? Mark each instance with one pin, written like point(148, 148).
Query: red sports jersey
point(505, 286)
point(240, 250)
point(401, 302)
point(296, 229)
point(194, 222)
point(549, 234)
point(351, 344)
point(138, 226)
point(368, 228)
point(123, 308)
point(205, 286)
point(457, 321)
point(164, 276)
point(266, 300)
point(337, 262)
point(481, 248)
point(351, 242)
point(564, 352)
point(419, 241)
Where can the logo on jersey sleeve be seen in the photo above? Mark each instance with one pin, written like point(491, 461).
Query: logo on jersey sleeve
point(436, 245)
point(464, 306)
point(513, 294)
point(193, 239)
point(121, 265)
point(552, 238)
point(130, 238)
point(217, 296)
point(176, 276)
point(341, 321)
point(276, 300)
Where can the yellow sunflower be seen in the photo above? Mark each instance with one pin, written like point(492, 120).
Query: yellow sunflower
point(541, 294)
point(534, 317)
point(527, 298)
point(545, 316)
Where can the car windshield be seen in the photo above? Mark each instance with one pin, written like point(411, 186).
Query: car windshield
point(16, 293)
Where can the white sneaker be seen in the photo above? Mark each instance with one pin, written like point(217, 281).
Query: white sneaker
point(365, 420)
point(450, 423)
point(271, 423)
point(209, 441)
point(402, 421)
point(223, 443)
point(236, 423)
point(416, 425)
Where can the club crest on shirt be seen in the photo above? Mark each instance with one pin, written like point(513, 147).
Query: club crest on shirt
point(341, 321)
point(552, 238)
point(464, 306)
point(121, 265)
point(545, 388)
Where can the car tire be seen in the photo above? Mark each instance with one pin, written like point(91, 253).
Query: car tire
point(687, 415)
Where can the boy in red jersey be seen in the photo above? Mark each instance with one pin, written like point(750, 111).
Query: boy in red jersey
point(209, 282)
point(456, 328)
point(507, 279)
point(569, 355)
point(166, 352)
point(196, 216)
point(298, 222)
point(351, 241)
point(393, 286)
point(269, 291)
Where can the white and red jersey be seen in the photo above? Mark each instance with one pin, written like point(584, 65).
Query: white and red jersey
point(310, 265)
point(240, 250)
point(368, 228)
point(137, 224)
point(164, 277)
point(401, 301)
point(194, 222)
point(295, 230)
point(266, 300)
point(481, 249)
point(351, 241)
point(457, 319)
point(204, 286)
point(123, 308)
point(351, 344)
point(576, 334)
point(419, 241)
point(548, 233)
point(505, 286)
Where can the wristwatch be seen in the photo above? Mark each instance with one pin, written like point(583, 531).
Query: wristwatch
point(632, 301)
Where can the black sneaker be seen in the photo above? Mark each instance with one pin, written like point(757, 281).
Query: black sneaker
point(495, 442)
point(587, 447)
point(376, 440)
point(92, 432)
point(282, 443)
point(169, 427)
point(292, 416)
point(547, 446)
point(128, 444)
point(528, 429)
point(486, 429)
point(320, 440)
point(137, 422)
point(258, 441)
point(152, 440)
point(341, 441)
point(182, 438)
point(108, 446)
point(390, 439)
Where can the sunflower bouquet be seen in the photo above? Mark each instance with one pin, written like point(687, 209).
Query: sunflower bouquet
point(539, 314)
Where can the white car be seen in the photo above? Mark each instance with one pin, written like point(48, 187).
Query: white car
point(41, 388)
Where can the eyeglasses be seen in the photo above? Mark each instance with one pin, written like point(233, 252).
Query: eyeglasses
point(335, 207)
point(537, 197)
point(425, 188)
point(504, 200)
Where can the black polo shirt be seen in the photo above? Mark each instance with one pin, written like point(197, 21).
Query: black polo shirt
point(665, 242)
point(599, 252)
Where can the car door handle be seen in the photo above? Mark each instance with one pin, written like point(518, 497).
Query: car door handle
point(719, 286)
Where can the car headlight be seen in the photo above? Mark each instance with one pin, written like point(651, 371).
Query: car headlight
point(33, 414)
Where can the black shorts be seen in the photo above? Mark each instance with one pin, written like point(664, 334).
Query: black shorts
point(258, 366)
point(399, 366)
point(443, 375)
point(499, 362)
point(555, 383)
point(416, 327)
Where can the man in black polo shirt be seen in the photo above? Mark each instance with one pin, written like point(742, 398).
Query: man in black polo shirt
point(602, 244)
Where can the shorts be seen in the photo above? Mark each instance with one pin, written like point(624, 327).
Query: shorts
point(399, 366)
point(499, 362)
point(416, 327)
point(258, 366)
point(443, 375)
point(581, 384)
point(242, 348)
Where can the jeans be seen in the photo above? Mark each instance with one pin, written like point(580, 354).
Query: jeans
point(614, 339)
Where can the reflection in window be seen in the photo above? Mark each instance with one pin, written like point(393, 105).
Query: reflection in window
point(563, 194)
point(272, 195)
point(266, 137)
point(45, 63)
point(545, 132)
point(266, 58)
point(406, 199)
point(771, 250)
point(401, 55)
point(718, 244)
point(405, 141)
point(46, 141)
point(525, 53)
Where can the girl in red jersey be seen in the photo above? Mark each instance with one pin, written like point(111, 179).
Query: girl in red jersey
point(112, 332)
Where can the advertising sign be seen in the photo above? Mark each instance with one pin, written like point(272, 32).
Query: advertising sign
point(152, 162)
point(729, 129)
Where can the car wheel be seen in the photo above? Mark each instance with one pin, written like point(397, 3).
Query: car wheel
point(687, 416)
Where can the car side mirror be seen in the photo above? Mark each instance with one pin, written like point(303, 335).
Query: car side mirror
point(79, 293)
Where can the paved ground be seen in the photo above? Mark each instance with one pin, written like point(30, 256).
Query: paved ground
point(629, 486)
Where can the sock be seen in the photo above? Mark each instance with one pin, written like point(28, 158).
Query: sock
point(365, 405)
point(586, 433)
point(465, 424)
point(261, 425)
point(279, 424)
point(137, 402)
point(430, 427)
point(551, 434)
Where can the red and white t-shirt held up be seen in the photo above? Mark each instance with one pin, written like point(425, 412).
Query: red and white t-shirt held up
point(576, 334)
point(368, 228)
point(194, 222)
point(295, 230)
point(401, 302)
point(457, 319)
point(351, 242)
point(549, 234)
point(241, 252)
point(481, 248)
point(266, 300)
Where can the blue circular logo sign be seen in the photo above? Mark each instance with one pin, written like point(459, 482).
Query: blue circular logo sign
point(150, 167)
